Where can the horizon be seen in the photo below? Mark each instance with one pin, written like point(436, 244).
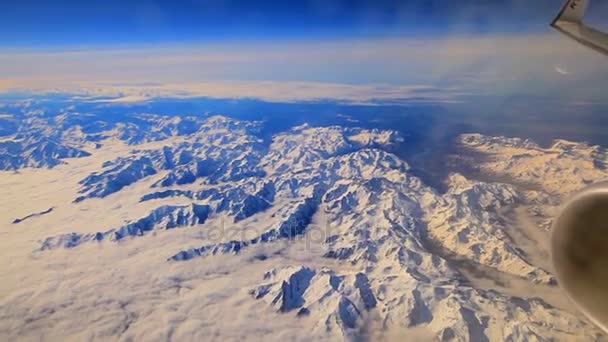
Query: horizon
point(389, 50)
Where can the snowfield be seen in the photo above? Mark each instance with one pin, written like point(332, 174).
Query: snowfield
point(195, 228)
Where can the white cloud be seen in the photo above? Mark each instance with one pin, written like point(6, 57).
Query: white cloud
point(440, 69)
point(276, 91)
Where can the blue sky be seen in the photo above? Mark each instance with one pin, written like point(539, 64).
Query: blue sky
point(36, 23)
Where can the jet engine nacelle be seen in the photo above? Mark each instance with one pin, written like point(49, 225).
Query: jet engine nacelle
point(580, 252)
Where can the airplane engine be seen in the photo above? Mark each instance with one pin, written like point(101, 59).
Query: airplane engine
point(579, 249)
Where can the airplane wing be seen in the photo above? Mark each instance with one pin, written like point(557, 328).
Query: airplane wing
point(570, 22)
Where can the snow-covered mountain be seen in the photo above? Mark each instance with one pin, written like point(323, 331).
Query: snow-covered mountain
point(560, 169)
point(332, 229)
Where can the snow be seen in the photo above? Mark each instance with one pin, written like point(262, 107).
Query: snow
point(561, 169)
point(333, 238)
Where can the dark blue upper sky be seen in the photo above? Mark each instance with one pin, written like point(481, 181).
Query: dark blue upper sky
point(85, 22)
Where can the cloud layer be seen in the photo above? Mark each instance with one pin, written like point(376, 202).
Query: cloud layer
point(439, 69)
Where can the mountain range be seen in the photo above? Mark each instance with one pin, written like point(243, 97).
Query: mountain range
point(325, 227)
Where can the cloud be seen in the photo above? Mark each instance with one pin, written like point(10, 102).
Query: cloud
point(274, 91)
point(448, 69)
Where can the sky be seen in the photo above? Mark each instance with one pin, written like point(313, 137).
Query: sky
point(76, 22)
point(355, 50)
